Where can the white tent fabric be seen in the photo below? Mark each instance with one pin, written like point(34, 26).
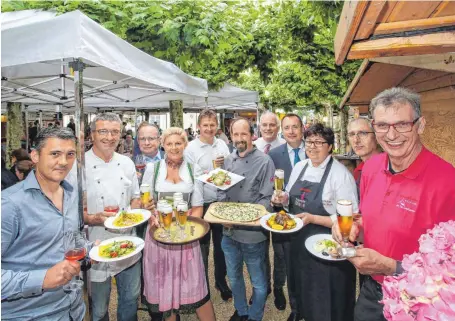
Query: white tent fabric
point(35, 63)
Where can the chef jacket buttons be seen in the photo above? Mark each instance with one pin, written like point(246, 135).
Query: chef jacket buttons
point(94, 166)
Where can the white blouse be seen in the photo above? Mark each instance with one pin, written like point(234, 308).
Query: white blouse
point(184, 186)
point(340, 183)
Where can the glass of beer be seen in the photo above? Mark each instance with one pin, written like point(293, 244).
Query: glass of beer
point(344, 216)
point(165, 213)
point(217, 156)
point(145, 194)
point(182, 216)
point(279, 180)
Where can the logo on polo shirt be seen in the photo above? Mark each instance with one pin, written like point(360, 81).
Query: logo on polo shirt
point(407, 204)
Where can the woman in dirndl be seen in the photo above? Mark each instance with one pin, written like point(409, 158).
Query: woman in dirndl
point(174, 275)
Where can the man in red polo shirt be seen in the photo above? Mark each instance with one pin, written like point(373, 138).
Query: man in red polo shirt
point(404, 192)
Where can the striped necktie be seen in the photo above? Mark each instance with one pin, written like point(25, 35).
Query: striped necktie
point(267, 148)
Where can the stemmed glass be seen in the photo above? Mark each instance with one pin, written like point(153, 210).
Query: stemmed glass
point(344, 216)
point(165, 212)
point(111, 205)
point(140, 163)
point(76, 247)
point(182, 217)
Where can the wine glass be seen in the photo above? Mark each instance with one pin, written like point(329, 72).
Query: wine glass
point(76, 247)
point(140, 164)
point(110, 204)
point(344, 216)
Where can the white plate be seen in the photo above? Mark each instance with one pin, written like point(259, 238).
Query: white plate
point(94, 252)
point(311, 241)
point(298, 224)
point(109, 223)
point(234, 178)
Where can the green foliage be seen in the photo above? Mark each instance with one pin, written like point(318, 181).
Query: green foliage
point(283, 49)
point(14, 129)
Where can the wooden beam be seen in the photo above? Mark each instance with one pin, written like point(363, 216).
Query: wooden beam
point(347, 28)
point(422, 75)
point(443, 62)
point(446, 8)
point(441, 82)
point(420, 24)
point(368, 23)
point(388, 8)
point(412, 10)
point(404, 46)
point(354, 82)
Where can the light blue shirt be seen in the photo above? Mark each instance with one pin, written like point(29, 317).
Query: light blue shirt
point(32, 242)
point(153, 159)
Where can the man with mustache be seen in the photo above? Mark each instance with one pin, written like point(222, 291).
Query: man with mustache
point(36, 213)
point(285, 157)
point(363, 142)
point(111, 181)
point(247, 244)
point(202, 151)
point(403, 192)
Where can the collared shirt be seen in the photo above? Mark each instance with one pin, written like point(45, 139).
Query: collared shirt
point(32, 243)
point(358, 175)
point(260, 143)
point(398, 209)
point(256, 188)
point(340, 183)
point(202, 154)
point(292, 153)
point(117, 179)
point(154, 159)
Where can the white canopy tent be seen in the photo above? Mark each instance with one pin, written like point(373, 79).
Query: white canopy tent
point(36, 64)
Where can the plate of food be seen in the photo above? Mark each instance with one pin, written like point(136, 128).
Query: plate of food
point(127, 219)
point(324, 247)
point(220, 178)
point(235, 213)
point(281, 222)
point(117, 249)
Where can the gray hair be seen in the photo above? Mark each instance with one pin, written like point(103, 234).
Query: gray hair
point(267, 113)
point(361, 119)
point(105, 117)
point(53, 132)
point(392, 96)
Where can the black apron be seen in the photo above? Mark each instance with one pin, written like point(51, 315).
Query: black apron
point(325, 291)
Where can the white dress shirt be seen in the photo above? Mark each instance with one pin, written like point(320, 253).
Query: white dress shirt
point(340, 183)
point(261, 143)
point(292, 153)
point(116, 179)
point(201, 154)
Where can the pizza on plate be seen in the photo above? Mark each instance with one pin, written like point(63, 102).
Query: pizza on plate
point(238, 212)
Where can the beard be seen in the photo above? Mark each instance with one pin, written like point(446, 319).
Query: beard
point(241, 146)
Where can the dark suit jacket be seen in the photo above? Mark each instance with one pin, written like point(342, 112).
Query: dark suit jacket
point(280, 157)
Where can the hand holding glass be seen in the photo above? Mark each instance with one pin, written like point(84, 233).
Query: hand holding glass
point(344, 216)
point(76, 248)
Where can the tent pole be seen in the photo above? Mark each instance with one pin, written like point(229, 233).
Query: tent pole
point(78, 66)
point(135, 121)
point(40, 119)
point(27, 140)
point(207, 102)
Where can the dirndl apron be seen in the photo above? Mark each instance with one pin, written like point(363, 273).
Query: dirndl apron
point(325, 290)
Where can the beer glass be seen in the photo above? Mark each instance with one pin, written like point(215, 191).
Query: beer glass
point(279, 187)
point(159, 206)
point(344, 216)
point(145, 194)
point(182, 217)
point(217, 156)
point(166, 218)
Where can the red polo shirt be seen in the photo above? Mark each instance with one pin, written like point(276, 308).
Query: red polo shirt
point(398, 209)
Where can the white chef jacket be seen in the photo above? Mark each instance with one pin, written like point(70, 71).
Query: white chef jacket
point(118, 179)
point(340, 183)
point(201, 154)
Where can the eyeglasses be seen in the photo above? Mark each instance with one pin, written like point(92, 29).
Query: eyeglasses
point(401, 127)
point(147, 139)
point(361, 134)
point(105, 132)
point(317, 143)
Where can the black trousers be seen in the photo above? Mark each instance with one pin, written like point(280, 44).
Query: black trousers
point(216, 232)
point(368, 307)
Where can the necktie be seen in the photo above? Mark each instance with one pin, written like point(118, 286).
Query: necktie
point(296, 155)
point(267, 148)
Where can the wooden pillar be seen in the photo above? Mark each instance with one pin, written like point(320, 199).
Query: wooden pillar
point(176, 113)
point(14, 129)
point(343, 129)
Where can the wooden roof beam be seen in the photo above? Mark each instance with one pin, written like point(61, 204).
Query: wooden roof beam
point(404, 46)
point(350, 19)
point(354, 82)
point(409, 25)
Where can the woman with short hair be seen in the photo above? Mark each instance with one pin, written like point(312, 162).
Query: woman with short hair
point(325, 291)
point(174, 275)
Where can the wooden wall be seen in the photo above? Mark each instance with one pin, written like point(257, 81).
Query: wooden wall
point(438, 108)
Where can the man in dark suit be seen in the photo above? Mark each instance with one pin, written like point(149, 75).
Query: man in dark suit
point(285, 157)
